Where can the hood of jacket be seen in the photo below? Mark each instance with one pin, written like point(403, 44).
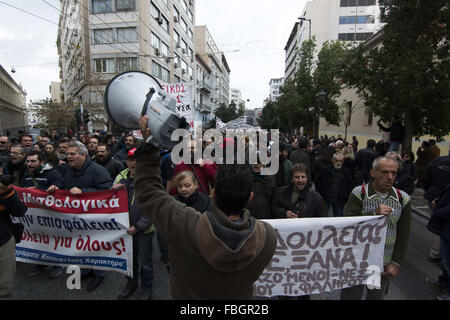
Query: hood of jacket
point(229, 246)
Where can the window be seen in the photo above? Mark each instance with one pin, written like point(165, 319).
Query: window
point(184, 5)
point(154, 11)
point(176, 37)
point(105, 65)
point(127, 35)
point(191, 34)
point(165, 24)
point(356, 19)
point(184, 25)
point(369, 118)
point(176, 13)
point(164, 49)
point(103, 36)
point(184, 46)
point(155, 41)
point(126, 64)
point(191, 17)
point(165, 75)
point(354, 36)
point(365, 19)
point(101, 6)
point(125, 5)
point(349, 113)
point(347, 20)
point(156, 69)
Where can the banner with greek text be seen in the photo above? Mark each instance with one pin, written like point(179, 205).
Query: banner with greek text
point(87, 230)
point(318, 255)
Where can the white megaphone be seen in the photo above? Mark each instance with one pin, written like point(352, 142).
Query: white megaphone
point(134, 93)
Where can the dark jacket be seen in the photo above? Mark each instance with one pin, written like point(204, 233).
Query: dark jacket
point(324, 181)
point(137, 217)
point(364, 160)
point(436, 178)
point(396, 131)
point(113, 166)
point(10, 205)
point(300, 156)
point(440, 219)
point(310, 203)
point(205, 261)
point(198, 201)
point(121, 156)
point(323, 159)
point(90, 178)
point(16, 170)
point(263, 188)
point(406, 176)
point(424, 158)
point(43, 179)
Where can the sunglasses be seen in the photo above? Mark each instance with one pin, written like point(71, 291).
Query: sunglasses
point(2, 142)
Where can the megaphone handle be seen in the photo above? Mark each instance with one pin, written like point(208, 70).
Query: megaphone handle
point(149, 97)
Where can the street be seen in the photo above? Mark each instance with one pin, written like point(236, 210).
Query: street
point(409, 285)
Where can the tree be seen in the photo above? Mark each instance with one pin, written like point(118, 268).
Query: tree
point(311, 94)
point(408, 75)
point(57, 116)
point(269, 117)
point(230, 112)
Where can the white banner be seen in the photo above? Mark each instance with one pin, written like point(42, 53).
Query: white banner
point(87, 230)
point(318, 255)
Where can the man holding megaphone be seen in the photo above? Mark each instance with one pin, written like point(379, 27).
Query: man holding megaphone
point(216, 255)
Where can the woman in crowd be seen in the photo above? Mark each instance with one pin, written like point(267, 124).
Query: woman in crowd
point(187, 192)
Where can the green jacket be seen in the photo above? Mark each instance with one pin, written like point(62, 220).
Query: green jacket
point(397, 234)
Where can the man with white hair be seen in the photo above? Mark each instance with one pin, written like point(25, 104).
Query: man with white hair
point(335, 183)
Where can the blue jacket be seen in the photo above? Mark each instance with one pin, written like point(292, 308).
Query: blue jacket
point(137, 218)
point(43, 179)
point(90, 178)
point(10, 205)
point(440, 220)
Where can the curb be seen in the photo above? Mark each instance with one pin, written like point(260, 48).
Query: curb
point(421, 214)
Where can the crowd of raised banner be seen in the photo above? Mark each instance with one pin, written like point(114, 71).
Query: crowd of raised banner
point(315, 177)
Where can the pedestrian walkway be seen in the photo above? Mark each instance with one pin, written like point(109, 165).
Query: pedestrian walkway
point(419, 204)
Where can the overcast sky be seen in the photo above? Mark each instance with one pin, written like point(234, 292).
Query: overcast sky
point(251, 33)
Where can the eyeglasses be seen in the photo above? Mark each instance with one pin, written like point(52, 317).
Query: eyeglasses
point(14, 152)
point(72, 153)
point(2, 142)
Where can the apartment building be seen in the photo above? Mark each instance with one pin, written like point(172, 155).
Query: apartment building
point(207, 49)
point(326, 20)
point(97, 39)
point(13, 112)
point(275, 85)
point(235, 96)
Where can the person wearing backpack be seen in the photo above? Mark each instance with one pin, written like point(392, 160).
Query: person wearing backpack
point(379, 197)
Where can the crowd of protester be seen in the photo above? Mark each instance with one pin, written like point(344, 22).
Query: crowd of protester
point(315, 177)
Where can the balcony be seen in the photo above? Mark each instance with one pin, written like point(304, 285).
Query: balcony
point(204, 86)
point(203, 108)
